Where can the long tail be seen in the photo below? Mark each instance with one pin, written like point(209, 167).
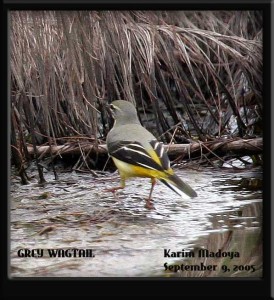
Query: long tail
point(178, 186)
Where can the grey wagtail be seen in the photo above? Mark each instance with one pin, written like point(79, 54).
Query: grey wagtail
point(137, 153)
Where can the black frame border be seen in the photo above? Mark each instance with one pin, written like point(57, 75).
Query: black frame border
point(186, 287)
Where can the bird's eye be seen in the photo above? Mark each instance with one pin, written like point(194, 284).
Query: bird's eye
point(112, 106)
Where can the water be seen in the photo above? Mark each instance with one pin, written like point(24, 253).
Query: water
point(126, 239)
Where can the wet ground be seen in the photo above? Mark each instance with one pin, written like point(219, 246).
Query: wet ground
point(128, 240)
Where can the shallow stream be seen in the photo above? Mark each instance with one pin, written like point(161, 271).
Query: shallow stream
point(128, 240)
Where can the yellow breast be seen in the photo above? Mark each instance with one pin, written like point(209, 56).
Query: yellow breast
point(127, 170)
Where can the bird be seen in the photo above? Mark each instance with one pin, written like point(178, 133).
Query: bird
point(137, 153)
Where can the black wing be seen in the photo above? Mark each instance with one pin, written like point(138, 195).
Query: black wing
point(158, 147)
point(135, 154)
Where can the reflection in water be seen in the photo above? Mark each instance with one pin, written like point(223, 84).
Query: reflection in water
point(236, 252)
point(129, 240)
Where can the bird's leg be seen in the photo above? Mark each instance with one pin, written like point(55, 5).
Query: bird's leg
point(149, 204)
point(114, 189)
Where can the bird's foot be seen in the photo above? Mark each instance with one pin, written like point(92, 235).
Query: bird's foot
point(149, 204)
point(113, 189)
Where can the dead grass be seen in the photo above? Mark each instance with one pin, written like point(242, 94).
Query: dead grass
point(189, 72)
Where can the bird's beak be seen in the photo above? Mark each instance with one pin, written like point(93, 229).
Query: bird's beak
point(109, 111)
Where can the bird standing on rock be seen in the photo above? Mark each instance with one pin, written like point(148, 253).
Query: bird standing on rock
point(137, 153)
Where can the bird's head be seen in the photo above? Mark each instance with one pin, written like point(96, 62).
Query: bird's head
point(123, 112)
